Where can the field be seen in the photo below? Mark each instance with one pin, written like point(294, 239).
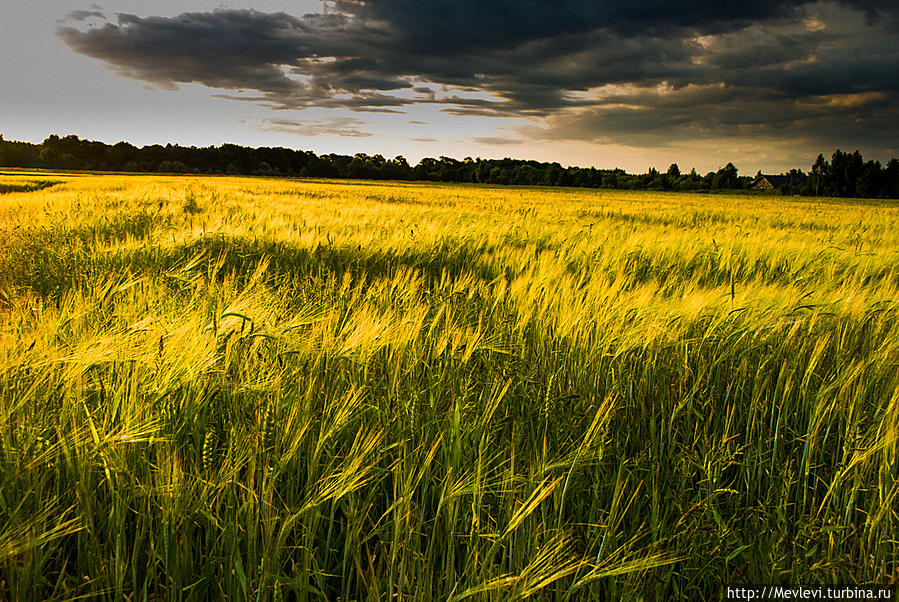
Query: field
point(308, 390)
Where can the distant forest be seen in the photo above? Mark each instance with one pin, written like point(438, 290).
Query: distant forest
point(845, 175)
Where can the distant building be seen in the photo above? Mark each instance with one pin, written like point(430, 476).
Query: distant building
point(763, 182)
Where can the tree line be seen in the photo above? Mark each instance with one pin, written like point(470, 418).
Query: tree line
point(845, 175)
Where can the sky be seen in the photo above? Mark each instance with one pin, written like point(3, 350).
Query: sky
point(765, 84)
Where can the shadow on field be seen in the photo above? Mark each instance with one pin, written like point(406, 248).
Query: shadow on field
point(28, 186)
point(448, 257)
point(50, 260)
point(51, 269)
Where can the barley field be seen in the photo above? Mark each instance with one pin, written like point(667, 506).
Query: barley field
point(271, 389)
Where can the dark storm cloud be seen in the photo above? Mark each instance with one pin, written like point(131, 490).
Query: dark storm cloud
point(667, 117)
point(223, 49)
point(633, 72)
point(451, 25)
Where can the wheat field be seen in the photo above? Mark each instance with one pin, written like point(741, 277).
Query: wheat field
point(272, 389)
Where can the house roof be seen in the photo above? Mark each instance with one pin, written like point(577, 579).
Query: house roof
point(782, 180)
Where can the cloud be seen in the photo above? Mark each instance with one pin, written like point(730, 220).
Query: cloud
point(643, 73)
point(84, 15)
point(497, 140)
point(335, 126)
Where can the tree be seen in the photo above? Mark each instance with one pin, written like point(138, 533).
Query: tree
point(725, 178)
point(868, 184)
point(845, 170)
point(819, 173)
point(891, 180)
point(552, 175)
